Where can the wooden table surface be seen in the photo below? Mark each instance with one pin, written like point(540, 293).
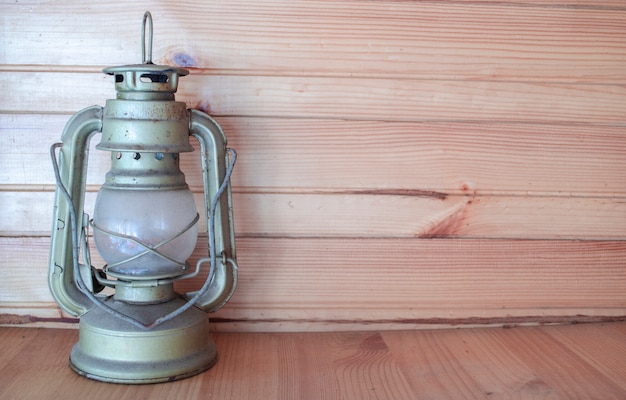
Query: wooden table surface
point(584, 361)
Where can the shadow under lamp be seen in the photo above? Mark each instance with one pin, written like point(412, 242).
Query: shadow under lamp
point(145, 226)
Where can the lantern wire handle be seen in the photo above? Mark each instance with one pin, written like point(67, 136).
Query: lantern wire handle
point(147, 56)
point(212, 255)
point(75, 247)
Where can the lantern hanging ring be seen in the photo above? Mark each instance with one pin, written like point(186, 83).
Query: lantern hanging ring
point(147, 22)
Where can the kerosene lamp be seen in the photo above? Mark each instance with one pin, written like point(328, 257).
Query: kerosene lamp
point(145, 227)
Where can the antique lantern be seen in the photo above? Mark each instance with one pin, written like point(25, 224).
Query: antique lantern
point(145, 227)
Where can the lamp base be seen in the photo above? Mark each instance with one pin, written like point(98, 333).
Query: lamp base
point(112, 350)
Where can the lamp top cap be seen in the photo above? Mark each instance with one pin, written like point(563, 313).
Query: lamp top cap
point(146, 77)
point(146, 69)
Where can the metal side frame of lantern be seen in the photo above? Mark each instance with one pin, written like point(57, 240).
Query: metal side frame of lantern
point(145, 227)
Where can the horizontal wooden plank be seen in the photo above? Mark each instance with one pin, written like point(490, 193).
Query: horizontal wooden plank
point(423, 215)
point(358, 98)
point(555, 362)
point(389, 283)
point(416, 273)
point(444, 157)
point(335, 155)
point(530, 364)
point(431, 40)
point(582, 341)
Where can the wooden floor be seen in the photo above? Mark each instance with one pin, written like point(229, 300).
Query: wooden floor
point(585, 361)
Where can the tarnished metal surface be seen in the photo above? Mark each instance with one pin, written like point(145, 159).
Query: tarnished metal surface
point(147, 333)
point(214, 160)
point(73, 173)
point(113, 351)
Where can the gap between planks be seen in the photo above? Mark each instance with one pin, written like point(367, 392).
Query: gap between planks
point(289, 73)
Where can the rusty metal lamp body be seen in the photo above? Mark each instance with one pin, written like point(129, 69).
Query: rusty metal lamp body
point(145, 228)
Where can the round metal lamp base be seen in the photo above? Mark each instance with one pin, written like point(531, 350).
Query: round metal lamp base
point(111, 350)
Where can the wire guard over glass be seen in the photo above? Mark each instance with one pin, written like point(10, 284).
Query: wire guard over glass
point(73, 223)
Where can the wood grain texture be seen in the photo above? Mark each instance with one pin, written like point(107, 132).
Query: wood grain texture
point(355, 98)
point(541, 352)
point(529, 363)
point(383, 215)
point(469, 365)
point(511, 41)
point(361, 283)
point(334, 155)
point(402, 164)
point(612, 350)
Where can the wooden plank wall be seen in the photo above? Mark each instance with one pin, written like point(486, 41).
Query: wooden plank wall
point(402, 164)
